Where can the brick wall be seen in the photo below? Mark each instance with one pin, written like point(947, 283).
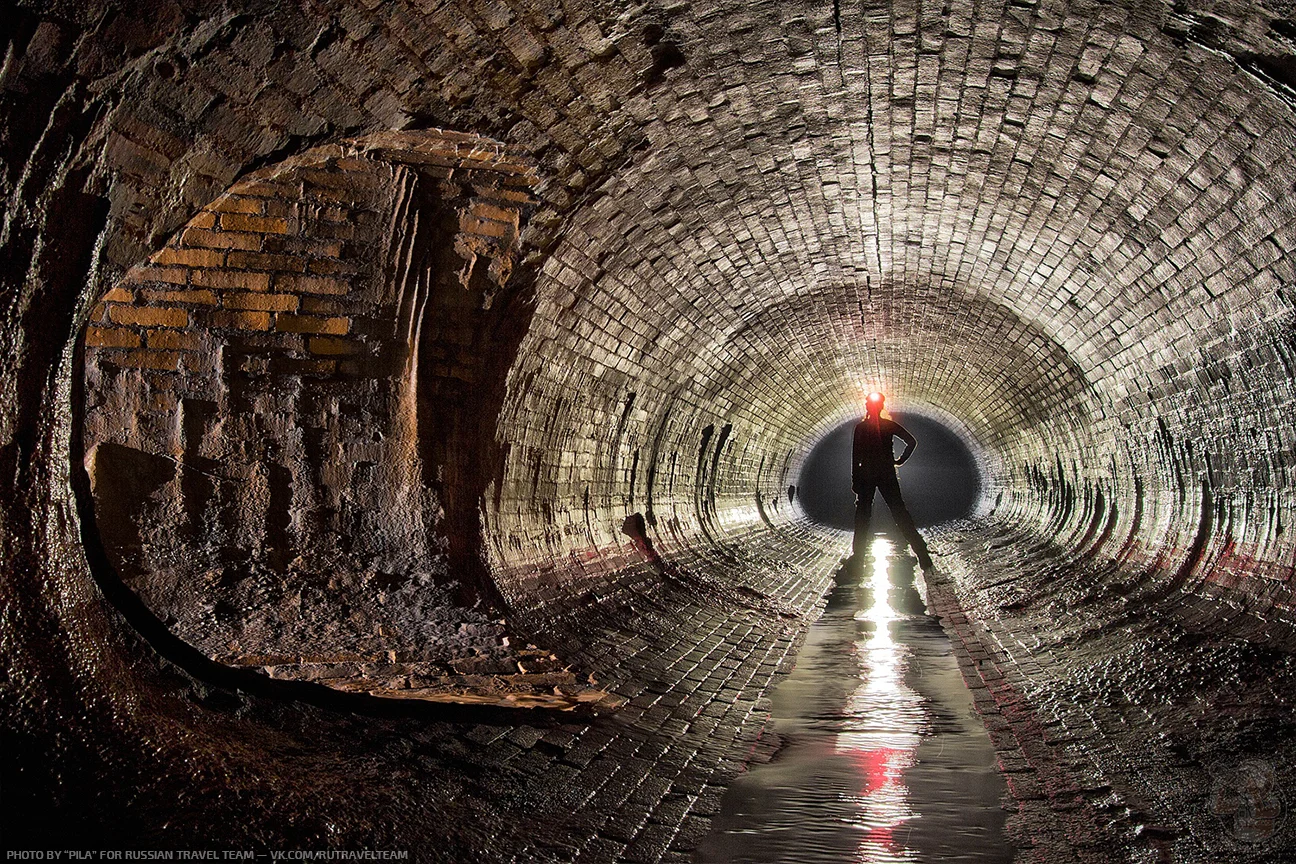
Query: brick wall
point(267, 396)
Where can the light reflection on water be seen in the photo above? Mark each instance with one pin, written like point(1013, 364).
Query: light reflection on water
point(883, 753)
point(885, 761)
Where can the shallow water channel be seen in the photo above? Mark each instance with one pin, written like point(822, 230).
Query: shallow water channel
point(884, 757)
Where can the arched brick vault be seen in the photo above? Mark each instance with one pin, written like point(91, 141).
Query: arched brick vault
point(1085, 207)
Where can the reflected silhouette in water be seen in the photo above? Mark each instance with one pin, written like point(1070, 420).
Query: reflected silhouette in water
point(884, 758)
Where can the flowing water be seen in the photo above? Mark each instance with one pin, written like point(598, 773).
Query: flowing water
point(885, 759)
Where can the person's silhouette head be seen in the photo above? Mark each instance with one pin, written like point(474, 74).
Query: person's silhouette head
point(873, 404)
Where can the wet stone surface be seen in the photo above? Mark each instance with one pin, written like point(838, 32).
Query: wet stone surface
point(884, 758)
point(1132, 722)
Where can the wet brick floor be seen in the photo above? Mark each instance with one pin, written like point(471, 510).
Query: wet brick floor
point(1126, 727)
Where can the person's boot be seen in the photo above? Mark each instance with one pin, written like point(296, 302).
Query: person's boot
point(924, 557)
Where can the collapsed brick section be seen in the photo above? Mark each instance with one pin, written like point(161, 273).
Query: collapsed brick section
point(263, 393)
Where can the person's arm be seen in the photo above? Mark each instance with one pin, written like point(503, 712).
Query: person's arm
point(910, 442)
point(857, 452)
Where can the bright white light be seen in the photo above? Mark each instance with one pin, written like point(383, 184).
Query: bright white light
point(893, 716)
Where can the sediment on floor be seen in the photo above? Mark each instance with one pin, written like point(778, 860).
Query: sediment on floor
point(1130, 724)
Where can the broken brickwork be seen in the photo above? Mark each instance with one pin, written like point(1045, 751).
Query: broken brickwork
point(261, 396)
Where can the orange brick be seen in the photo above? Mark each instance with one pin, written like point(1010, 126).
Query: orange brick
point(118, 295)
point(232, 279)
point(203, 298)
point(483, 210)
point(219, 239)
point(485, 227)
point(144, 359)
point(148, 316)
point(237, 204)
point(103, 337)
point(190, 257)
point(266, 261)
point(311, 324)
point(260, 224)
point(173, 340)
point(261, 302)
point(205, 219)
point(312, 285)
point(170, 275)
point(239, 320)
point(326, 345)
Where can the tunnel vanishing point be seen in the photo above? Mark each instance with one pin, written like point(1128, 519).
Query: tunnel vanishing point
point(403, 405)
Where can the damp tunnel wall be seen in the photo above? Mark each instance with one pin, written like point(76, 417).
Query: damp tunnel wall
point(1071, 227)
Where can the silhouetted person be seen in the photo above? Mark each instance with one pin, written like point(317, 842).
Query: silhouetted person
point(873, 465)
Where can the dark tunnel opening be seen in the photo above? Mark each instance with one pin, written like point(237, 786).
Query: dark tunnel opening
point(940, 481)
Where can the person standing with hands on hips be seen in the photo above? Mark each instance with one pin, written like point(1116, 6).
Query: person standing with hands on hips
point(873, 468)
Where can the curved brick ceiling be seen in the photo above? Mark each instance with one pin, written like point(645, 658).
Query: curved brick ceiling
point(826, 202)
point(1067, 228)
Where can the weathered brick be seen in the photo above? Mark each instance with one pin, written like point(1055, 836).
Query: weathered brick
point(483, 210)
point(120, 152)
point(219, 239)
point(258, 224)
point(485, 227)
point(170, 275)
point(238, 204)
point(294, 366)
point(240, 320)
point(312, 284)
point(148, 316)
point(328, 267)
point(311, 324)
point(190, 257)
point(119, 294)
point(325, 345)
point(162, 401)
point(266, 261)
point(111, 337)
point(173, 340)
point(168, 361)
point(263, 302)
point(202, 298)
point(324, 305)
point(242, 280)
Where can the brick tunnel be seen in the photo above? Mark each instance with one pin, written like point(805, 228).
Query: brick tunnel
point(405, 406)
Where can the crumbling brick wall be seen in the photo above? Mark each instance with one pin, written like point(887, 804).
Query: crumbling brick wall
point(262, 394)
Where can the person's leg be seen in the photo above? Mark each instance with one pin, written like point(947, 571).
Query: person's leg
point(890, 489)
point(863, 516)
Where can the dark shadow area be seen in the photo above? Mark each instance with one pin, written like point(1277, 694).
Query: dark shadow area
point(940, 481)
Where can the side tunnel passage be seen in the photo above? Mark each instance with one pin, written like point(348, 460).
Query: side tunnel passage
point(285, 416)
